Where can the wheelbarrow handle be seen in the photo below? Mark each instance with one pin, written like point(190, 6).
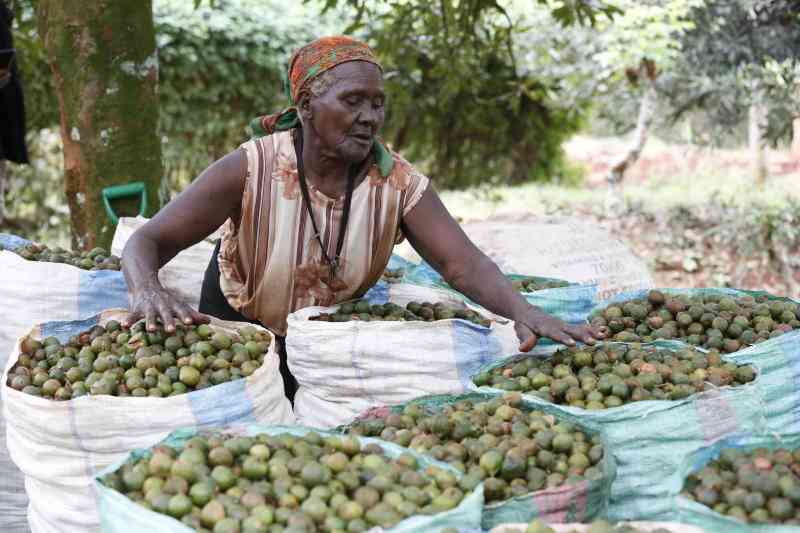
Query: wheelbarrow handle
point(136, 188)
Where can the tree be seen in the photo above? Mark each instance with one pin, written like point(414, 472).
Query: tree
point(479, 115)
point(219, 66)
point(741, 60)
point(105, 71)
point(796, 138)
point(641, 43)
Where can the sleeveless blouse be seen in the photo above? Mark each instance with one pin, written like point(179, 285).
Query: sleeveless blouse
point(271, 263)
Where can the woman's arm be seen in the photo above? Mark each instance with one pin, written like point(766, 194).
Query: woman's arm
point(193, 215)
point(438, 238)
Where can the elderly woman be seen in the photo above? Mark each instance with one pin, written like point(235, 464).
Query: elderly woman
point(312, 210)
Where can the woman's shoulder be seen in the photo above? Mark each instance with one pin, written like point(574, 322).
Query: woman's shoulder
point(279, 141)
point(270, 156)
point(274, 150)
point(404, 175)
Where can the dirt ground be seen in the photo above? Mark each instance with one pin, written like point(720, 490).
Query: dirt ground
point(691, 256)
point(660, 160)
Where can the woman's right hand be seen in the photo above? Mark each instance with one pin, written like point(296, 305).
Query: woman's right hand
point(211, 199)
point(153, 303)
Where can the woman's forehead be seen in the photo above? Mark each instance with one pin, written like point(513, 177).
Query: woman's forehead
point(360, 72)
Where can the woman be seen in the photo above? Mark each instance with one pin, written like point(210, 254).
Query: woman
point(311, 212)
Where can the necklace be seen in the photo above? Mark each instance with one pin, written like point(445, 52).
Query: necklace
point(351, 178)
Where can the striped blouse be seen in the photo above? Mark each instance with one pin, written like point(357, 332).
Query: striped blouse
point(270, 262)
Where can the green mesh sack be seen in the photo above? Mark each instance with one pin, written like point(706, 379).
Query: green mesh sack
point(719, 291)
point(578, 502)
point(690, 512)
point(777, 360)
point(778, 364)
point(649, 438)
point(118, 514)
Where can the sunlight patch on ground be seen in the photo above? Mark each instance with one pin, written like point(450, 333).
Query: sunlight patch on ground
point(666, 176)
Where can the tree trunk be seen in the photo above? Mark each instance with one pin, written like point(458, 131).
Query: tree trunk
point(647, 109)
point(2, 190)
point(525, 151)
point(401, 135)
point(757, 134)
point(796, 138)
point(105, 67)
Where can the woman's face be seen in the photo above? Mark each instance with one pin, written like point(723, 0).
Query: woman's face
point(349, 114)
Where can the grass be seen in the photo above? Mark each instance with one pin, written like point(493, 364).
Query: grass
point(665, 178)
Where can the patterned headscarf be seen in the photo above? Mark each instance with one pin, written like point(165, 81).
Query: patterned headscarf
point(307, 63)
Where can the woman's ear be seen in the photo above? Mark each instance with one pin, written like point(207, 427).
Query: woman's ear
point(305, 107)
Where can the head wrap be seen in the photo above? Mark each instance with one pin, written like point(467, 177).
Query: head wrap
point(307, 63)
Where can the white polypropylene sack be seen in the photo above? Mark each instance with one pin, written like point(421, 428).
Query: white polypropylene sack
point(184, 274)
point(557, 247)
point(61, 445)
point(344, 368)
point(32, 292)
point(13, 500)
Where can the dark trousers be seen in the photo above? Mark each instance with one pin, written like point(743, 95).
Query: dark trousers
point(214, 303)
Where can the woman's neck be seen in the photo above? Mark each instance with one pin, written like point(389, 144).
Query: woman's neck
point(322, 169)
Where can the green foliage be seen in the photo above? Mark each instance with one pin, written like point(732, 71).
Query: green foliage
point(739, 47)
point(646, 30)
point(583, 12)
point(731, 34)
point(565, 12)
point(41, 104)
point(461, 103)
point(220, 66)
point(710, 55)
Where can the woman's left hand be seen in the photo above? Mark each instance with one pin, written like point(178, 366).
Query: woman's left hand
point(438, 238)
point(535, 324)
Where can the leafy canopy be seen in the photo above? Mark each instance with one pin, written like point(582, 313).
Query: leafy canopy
point(738, 51)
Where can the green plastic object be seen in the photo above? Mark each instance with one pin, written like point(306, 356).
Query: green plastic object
point(123, 191)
